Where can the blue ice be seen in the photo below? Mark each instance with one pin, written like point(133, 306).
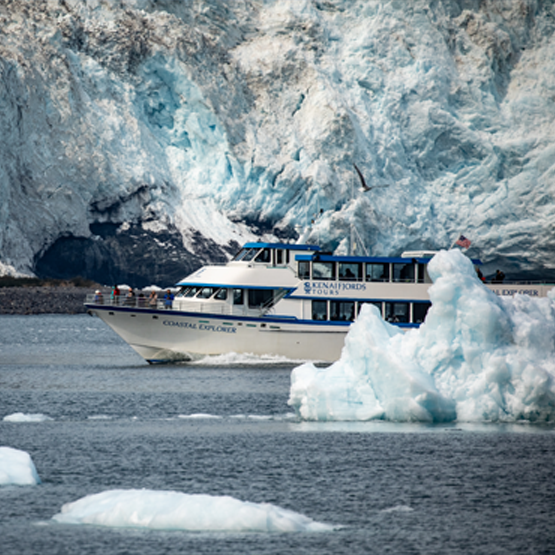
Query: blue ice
point(476, 358)
point(17, 468)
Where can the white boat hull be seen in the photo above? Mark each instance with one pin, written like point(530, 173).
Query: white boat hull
point(168, 335)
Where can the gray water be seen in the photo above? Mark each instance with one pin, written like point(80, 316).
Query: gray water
point(118, 423)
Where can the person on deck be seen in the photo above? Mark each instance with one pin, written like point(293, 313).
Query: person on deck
point(168, 299)
point(115, 295)
point(499, 277)
point(131, 297)
point(153, 299)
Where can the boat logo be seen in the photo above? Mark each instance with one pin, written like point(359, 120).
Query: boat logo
point(331, 287)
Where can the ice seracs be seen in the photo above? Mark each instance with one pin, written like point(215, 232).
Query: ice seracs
point(171, 510)
point(181, 132)
point(477, 357)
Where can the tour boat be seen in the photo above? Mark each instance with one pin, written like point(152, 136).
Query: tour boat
point(281, 299)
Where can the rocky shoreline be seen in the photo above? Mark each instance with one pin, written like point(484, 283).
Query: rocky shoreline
point(45, 299)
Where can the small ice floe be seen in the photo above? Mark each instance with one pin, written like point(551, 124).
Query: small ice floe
point(22, 417)
point(17, 468)
point(171, 510)
point(99, 417)
point(199, 416)
point(398, 509)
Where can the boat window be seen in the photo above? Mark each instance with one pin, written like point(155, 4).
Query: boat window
point(377, 272)
point(264, 256)
point(278, 253)
point(182, 292)
point(377, 304)
point(221, 294)
point(191, 292)
point(240, 254)
point(260, 297)
point(350, 271)
point(249, 255)
point(397, 312)
point(319, 310)
point(287, 257)
point(419, 311)
point(403, 272)
point(238, 297)
point(421, 273)
point(205, 293)
point(323, 270)
point(304, 270)
point(342, 310)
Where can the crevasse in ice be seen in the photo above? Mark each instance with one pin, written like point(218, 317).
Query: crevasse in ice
point(477, 357)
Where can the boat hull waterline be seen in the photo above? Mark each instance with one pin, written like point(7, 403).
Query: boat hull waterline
point(167, 335)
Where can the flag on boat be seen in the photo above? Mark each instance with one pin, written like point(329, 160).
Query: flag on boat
point(463, 242)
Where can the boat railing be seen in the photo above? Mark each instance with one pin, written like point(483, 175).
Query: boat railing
point(134, 301)
point(187, 306)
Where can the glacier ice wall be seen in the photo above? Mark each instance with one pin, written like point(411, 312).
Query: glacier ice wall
point(477, 357)
point(137, 132)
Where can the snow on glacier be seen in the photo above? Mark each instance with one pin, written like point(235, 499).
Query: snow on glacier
point(477, 357)
point(171, 510)
point(235, 119)
point(17, 468)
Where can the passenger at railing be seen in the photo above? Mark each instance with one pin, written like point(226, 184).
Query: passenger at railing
point(480, 275)
point(130, 301)
point(168, 299)
point(499, 277)
point(141, 301)
point(98, 298)
point(115, 295)
point(153, 299)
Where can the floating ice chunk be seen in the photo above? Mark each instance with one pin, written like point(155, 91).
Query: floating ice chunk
point(17, 468)
point(199, 416)
point(477, 357)
point(398, 509)
point(171, 510)
point(22, 417)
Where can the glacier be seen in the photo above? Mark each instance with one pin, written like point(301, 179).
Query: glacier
point(172, 510)
point(476, 358)
point(143, 138)
point(17, 468)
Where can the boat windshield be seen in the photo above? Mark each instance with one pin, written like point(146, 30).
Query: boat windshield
point(205, 292)
point(221, 294)
point(264, 256)
point(249, 255)
point(240, 254)
point(191, 292)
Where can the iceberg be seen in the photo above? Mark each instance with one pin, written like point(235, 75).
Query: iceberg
point(171, 510)
point(17, 468)
point(476, 358)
